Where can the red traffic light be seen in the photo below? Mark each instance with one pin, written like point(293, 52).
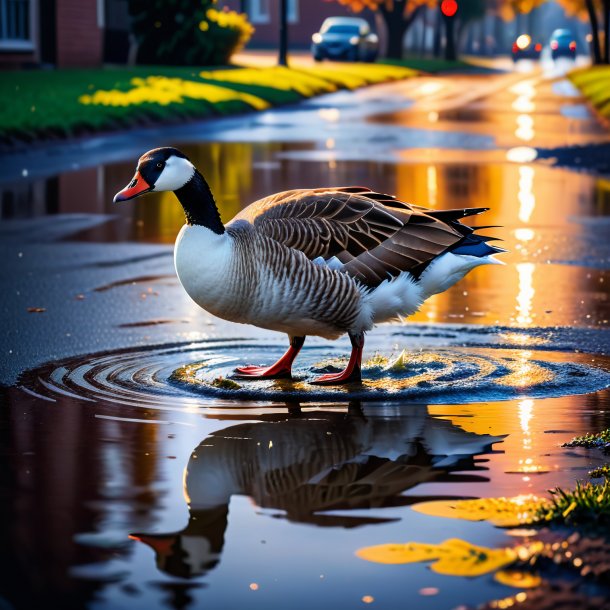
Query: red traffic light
point(449, 8)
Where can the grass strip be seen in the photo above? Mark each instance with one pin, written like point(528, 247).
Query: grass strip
point(594, 84)
point(42, 104)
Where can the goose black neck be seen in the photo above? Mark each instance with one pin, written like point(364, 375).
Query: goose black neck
point(199, 205)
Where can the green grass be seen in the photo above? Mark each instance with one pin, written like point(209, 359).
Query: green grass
point(594, 83)
point(37, 105)
point(600, 440)
point(587, 505)
point(601, 472)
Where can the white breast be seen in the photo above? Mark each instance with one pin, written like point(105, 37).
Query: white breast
point(203, 262)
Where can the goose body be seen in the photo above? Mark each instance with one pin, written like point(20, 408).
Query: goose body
point(321, 262)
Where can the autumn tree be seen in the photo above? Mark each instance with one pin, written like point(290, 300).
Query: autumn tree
point(515, 9)
point(598, 14)
point(397, 15)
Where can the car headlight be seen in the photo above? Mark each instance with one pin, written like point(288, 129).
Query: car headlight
point(316, 38)
point(523, 41)
point(354, 40)
point(372, 38)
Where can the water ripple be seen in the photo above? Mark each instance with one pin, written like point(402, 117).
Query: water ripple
point(191, 375)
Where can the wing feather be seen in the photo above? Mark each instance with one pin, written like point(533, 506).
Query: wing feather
point(374, 235)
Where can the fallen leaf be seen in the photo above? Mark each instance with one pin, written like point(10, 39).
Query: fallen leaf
point(503, 512)
point(518, 579)
point(453, 557)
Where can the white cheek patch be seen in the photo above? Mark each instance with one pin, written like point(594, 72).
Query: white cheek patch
point(176, 173)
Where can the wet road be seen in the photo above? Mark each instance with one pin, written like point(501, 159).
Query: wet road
point(121, 488)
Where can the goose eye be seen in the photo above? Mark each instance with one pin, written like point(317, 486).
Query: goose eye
point(160, 164)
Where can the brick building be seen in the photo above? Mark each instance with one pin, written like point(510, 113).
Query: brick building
point(65, 33)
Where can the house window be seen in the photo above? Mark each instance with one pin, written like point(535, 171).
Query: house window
point(260, 11)
point(16, 25)
point(293, 11)
point(101, 14)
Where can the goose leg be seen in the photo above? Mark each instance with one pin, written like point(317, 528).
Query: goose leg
point(282, 369)
point(353, 370)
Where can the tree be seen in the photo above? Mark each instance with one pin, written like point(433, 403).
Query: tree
point(397, 15)
point(598, 14)
point(511, 9)
point(186, 32)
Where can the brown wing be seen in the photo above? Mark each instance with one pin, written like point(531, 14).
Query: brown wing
point(374, 235)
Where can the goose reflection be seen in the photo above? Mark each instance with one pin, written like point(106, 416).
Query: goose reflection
point(305, 464)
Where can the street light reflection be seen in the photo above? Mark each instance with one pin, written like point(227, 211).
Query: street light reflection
point(332, 115)
point(526, 294)
point(525, 234)
point(521, 154)
point(527, 199)
point(432, 185)
point(524, 104)
point(525, 127)
point(431, 87)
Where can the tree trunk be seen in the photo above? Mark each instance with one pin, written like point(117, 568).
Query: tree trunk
point(397, 23)
point(422, 46)
point(395, 27)
point(396, 33)
point(597, 53)
point(438, 32)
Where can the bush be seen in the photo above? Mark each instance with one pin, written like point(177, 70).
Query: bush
point(186, 32)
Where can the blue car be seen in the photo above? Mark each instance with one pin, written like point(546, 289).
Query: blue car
point(345, 38)
point(563, 44)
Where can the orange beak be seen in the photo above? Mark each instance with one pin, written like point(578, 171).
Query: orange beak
point(160, 544)
point(136, 187)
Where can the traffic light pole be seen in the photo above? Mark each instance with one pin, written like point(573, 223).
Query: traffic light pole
point(449, 8)
point(283, 51)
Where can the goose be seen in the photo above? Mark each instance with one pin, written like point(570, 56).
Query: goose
point(322, 261)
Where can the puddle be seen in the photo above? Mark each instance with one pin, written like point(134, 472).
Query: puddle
point(172, 500)
point(130, 480)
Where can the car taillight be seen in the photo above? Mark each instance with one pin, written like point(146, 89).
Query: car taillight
point(554, 45)
point(572, 46)
point(538, 47)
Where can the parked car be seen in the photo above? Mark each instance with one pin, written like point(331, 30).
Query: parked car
point(348, 38)
point(563, 44)
point(525, 48)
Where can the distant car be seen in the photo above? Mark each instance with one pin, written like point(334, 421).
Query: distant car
point(525, 48)
point(563, 44)
point(348, 38)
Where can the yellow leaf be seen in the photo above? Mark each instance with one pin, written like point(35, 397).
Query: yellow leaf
point(411, 552)
point(461, 558)
point(453, 557)
point(503, 512)
point(517, 579)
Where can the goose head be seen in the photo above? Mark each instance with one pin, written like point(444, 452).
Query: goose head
point(160, 169)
